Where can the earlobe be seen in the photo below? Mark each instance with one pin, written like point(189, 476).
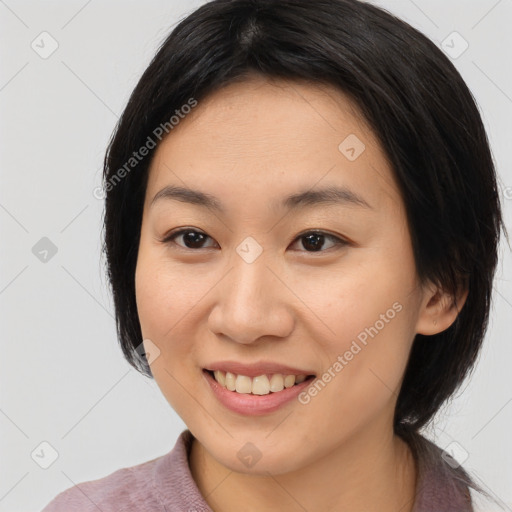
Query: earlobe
point(439, 310)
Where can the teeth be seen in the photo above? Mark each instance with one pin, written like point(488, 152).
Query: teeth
point(260, 385)
point(289, 381)
point(243, 384)
point(276, 382)
point(220, 377)
point(230, 381)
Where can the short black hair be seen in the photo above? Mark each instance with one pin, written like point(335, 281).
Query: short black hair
point(417, 104)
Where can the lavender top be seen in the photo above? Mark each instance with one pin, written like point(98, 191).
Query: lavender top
point(165, 484)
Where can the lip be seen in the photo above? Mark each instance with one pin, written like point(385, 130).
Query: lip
point(256, 369)
point(254, 405)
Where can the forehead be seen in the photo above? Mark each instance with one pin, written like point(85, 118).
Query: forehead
point(263, 138)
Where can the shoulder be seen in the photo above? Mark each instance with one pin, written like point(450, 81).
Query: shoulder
point(442, 483)
point(124, 489)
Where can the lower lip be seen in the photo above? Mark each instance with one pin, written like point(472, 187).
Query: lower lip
point(254, 405)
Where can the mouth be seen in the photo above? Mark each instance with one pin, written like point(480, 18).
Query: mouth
point(264, 384)
point(260, 395)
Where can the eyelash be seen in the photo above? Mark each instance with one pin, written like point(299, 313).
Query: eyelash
point(340, 242)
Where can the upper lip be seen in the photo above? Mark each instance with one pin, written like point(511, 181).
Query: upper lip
point(256, 369)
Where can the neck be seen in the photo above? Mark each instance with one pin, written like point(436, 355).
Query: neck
point(367, 472)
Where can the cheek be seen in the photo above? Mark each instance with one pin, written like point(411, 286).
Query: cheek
point(370, 314)
point(171, 302)
point(356, 304)
point(166, 300)
point(165, 293)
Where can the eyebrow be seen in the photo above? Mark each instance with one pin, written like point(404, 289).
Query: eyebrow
point(307, 198)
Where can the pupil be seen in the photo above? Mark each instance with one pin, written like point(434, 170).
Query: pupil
point(190, 237)
point(315, 240)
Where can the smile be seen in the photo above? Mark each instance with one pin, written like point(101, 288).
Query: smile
point(249, 396)
point(260, 385)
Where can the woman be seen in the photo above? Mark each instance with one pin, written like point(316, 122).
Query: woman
point(301, 232)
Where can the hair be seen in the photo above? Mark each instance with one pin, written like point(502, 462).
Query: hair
point(414, 100)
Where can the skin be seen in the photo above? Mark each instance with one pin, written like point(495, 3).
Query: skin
point(251, 144)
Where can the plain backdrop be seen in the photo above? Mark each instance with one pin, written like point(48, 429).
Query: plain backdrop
point(68, 399)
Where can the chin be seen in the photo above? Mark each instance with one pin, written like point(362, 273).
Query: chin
point(257, 457)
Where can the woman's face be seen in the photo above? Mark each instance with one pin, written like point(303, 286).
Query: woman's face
point(249, 283)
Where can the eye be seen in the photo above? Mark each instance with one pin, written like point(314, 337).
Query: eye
point(192, 238)
point(313, 241)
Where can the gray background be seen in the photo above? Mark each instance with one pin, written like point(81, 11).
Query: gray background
point(63, 378)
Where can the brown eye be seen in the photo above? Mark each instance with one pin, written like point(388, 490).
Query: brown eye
point(313, 241)
point(192, 239)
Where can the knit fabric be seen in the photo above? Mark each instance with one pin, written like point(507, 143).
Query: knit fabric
point(165, 484)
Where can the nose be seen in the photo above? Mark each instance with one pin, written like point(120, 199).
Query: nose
point(252, 302)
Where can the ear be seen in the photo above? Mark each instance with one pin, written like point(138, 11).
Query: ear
point(439, 309)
